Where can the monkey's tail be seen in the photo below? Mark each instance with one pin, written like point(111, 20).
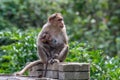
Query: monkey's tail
point(31, 64)
point(46, 66)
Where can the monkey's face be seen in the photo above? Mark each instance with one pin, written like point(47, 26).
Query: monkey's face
point(59, 22)
point(56, 20)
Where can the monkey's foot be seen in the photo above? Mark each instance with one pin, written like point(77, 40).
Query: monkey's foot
point(56, 61)
point(18, 74)
point(51, 61)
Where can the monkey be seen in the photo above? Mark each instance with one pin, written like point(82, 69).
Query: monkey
point(52, 42)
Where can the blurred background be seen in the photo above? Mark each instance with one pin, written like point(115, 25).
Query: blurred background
point(93, 27)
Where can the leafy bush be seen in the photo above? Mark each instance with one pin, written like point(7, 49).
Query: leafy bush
point(25, 13)
point(21, 50)
point(94, 21)
point(15, 55)
point(92, 26)
point(102, 66)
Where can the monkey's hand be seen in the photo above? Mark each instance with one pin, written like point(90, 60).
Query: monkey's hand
point(45, 37)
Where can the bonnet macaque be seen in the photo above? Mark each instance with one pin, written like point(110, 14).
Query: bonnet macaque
point(52, 42)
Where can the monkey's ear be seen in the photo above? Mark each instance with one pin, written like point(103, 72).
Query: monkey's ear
point(52, 17)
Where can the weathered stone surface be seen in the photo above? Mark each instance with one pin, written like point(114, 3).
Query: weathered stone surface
point(52, 71)
point(45, 79)
point(37, 67)
point(74, 75)
point(66, 71)
point(54, 66)
point(74, 67)
point(10, 77)
point(36, 70)
point(57, 71)
point(36, 73)
point(52, 74)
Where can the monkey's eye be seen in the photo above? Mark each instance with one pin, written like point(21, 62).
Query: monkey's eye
point(60, 19)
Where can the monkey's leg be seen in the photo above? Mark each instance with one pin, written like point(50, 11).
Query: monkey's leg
point(28, 67)
point(43, 54)
point(63, 53)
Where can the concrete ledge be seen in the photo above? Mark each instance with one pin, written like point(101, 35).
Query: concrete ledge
point(56, 71)
point(76, 67)
point(74, 75)
point(11, 77)
point(64, 70)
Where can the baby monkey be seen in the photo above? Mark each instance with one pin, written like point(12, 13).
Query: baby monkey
point(52, 42)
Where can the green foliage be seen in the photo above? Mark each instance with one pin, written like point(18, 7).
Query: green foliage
point(21, 50)
point(102, 66)
point(15, 55)
point(98, 23)
point(92, 26)
point(95, 21)
point(25, 13)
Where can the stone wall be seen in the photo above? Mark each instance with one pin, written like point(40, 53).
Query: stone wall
point(57, 71)
point(63, 71)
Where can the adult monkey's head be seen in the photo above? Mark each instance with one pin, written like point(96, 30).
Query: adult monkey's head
point(56, 20)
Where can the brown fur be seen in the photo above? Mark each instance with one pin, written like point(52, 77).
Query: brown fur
point(52, 42)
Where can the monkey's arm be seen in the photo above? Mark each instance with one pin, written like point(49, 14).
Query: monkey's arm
point(63, 53)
